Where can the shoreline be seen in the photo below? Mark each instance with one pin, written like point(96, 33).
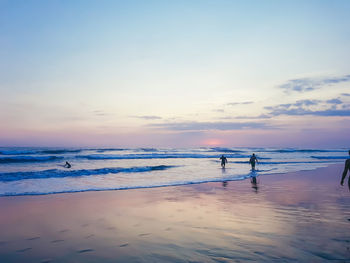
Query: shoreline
point(175, 185)
point(299, 216)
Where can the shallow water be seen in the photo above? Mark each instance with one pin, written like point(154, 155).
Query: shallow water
point(32, 171)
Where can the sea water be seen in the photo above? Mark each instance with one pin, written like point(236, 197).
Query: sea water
point(33, 171)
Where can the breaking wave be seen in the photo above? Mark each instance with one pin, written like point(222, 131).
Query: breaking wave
point(297, 150)
point(329, 157)
point(26, 159)
point(155, 156)
point(48, 151)
point(56, 173)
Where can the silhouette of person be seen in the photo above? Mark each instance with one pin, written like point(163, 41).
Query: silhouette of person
point(253, 160)
point(346, 169)
point(223, 161)
point(67, 165)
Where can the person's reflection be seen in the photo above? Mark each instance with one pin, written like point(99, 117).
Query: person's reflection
point(254, 183)
point(223, 171)
point(346, 169)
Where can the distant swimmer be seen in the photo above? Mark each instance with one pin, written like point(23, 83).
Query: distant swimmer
point(67, 165)
point(223, 161)
point(346, 169)
point(253, 160)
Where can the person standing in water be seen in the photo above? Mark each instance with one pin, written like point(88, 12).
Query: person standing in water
point(223, 161)
point(346, 169)
point(252, 161)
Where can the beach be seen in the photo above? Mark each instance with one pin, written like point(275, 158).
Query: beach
point(293, 217)
point(174, 131)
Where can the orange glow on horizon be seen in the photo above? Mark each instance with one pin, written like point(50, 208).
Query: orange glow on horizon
point(213, 142)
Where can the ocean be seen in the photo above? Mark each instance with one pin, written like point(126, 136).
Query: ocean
point(36, 171)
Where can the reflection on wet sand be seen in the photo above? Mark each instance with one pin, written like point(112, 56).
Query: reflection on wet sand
point(254, 183)
point(301, 218)
point(346, 170)
point(223, 171)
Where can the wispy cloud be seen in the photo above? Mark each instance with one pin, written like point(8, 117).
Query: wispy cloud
point(200, 126)
point(298, 104)
point(311, 107)
point(345, 94)
point(100, 113)
point(309, 84)
point(330, 107)
point(239, 103)
point(334, 101)
point(147, 117)
point(330, 112)
point(299, 112)
point(262, 116)
point(233, 104)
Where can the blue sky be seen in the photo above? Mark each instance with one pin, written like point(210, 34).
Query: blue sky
point(175, 73)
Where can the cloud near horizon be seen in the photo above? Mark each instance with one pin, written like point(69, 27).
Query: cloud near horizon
point(310, 84)
point(206, 126)
point(239, 103)
point(307, 107)
point(100, 113)
point(328, 108)
point(147, 117)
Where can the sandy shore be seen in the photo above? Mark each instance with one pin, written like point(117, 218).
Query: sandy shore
point(295, 217)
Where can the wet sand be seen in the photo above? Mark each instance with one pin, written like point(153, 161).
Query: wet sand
point(295, 217)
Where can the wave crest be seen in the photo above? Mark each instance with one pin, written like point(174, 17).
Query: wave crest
point(330, 157)
point(46, 151)
point(25, 159)
point(56, 173)
point(155, 156)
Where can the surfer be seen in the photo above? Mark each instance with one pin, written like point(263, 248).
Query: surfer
point(223, 161)
point(346, 169)
point(67, 165)
point(252, 161)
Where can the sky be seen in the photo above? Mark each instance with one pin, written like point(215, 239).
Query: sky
point(175, 73)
